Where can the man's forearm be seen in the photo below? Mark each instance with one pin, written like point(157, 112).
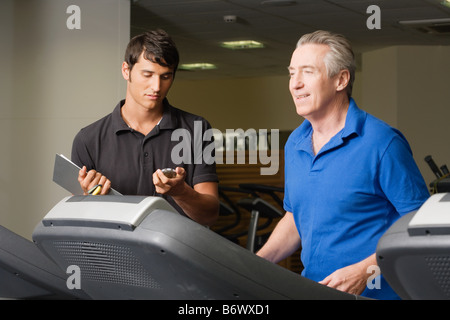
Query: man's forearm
point(201, 207)
point(283, 241)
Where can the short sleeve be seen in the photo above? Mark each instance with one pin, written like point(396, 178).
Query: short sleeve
point(400, 178)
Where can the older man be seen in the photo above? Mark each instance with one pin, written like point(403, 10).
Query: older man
point(348, 175)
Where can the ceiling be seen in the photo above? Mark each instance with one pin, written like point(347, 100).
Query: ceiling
point(198, 27)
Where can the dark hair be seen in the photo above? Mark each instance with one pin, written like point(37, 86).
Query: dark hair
point(157, 46)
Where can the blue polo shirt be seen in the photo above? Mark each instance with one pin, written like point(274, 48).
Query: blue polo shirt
point(344, 198)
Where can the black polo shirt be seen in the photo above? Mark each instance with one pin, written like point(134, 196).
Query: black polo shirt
point(129, 159)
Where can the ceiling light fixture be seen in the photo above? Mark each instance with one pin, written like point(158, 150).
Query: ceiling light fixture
point(230, 18)
point(242, 44)
point(197, 66)
point(430, 26)
point(278, 3)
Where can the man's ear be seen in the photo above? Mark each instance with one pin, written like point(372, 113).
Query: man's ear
point(126, 71)
point(343, 79)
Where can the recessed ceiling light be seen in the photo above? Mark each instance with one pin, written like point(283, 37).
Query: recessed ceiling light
point(197, 66)
point(242, 44)
point(278, 3)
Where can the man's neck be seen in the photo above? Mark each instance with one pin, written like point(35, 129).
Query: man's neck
point(141, 119)
point(329, 124)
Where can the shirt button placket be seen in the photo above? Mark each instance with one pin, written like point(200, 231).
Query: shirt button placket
point(145, 155)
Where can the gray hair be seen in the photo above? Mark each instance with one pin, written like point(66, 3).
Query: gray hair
point(340, 57)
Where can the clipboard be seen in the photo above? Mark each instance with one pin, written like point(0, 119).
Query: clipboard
point(65, 173)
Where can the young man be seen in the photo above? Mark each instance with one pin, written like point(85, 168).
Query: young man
point(348, 175)
point(128, 148)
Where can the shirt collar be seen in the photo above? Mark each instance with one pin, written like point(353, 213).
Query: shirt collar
point(354, 123)
point(118, 124)
point(168, 121)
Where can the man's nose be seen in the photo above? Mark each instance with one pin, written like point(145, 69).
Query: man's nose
point(296, 81)
point(156, 84)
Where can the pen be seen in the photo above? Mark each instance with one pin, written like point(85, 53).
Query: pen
point(95, 190)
